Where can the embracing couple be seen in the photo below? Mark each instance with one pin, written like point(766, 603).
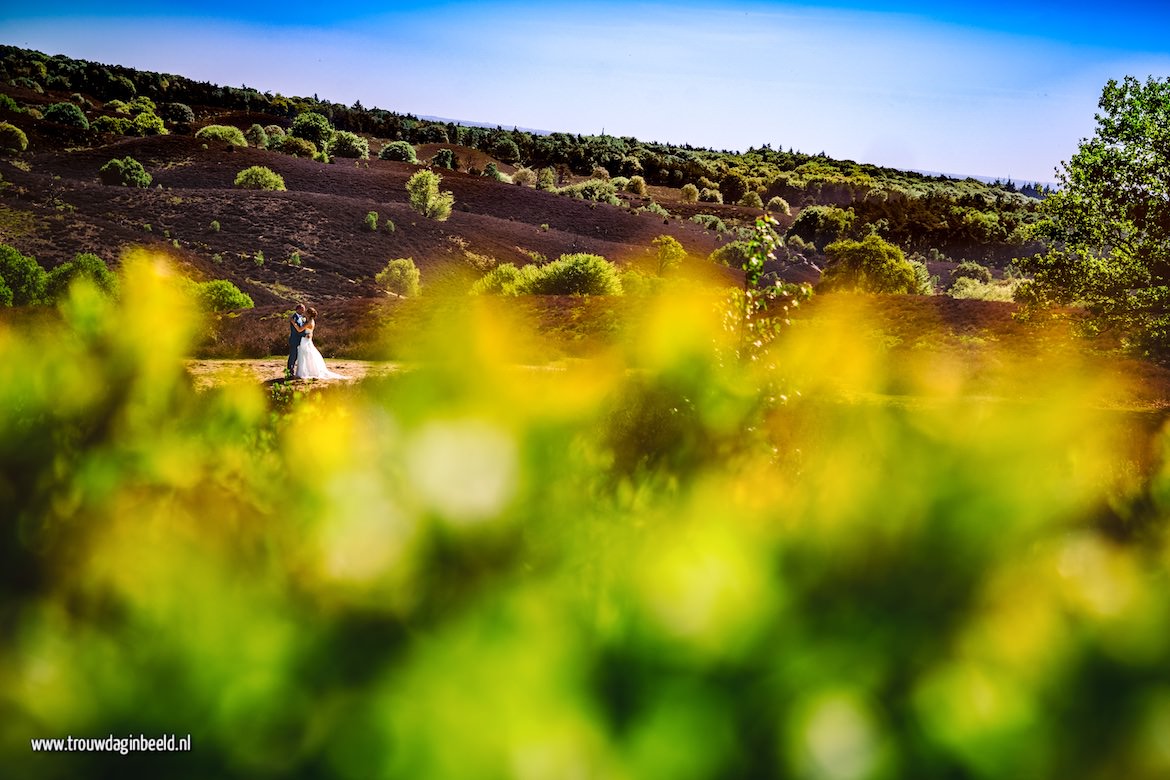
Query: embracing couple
point(304, 360)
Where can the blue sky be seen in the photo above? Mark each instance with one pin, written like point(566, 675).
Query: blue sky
point(992, 89)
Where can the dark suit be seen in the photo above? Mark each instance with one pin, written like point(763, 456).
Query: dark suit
point(294, 339)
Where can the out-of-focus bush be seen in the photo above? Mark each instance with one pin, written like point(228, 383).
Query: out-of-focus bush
point(654, 564)
point(401, 277)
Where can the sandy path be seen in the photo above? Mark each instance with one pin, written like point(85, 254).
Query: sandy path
point(209, 373)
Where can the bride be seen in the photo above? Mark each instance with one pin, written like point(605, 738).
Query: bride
point(310, 364)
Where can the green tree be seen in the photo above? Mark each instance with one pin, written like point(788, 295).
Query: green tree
point(870, 265)
point(733, 186)
point(22, 275)
point(221, 295)
point(314, 127)
point(257, 136)
point(1109, 221)
point(425, 197)
point(445, 158)
point(669, 254)
point(822, 225)
point(400, 277)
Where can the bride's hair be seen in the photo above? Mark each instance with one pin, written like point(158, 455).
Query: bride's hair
point(312, 313)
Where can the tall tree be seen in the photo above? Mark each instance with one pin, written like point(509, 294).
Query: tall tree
point(1109, 221)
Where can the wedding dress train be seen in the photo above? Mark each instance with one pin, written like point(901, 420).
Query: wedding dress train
point(310, 364)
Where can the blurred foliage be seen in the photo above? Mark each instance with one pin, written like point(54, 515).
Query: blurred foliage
point(642, 566)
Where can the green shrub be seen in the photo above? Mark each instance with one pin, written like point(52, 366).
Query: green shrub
point(425, 197)
point(779, 206)
point(389, 224)
point(12, 138)
point(751, 200)
point(214, 226)
point(118, 106)
point(822, 225)
point(258, 258)
point(870, 265)
point(179, 113)
point(599, 172)
point(223, 133)
point(506, 150)
point(274, 131)
point(221, 295)
point(126, 172)
point(23, 276)
point(372, 221)
point(8, 104)
point(258, 177)
point(314, 127)
point(969, 269)
point(148, 124)
point(592, 189)
point(636, 185)
point(66, 114)
point(710, 222)
point(655, 209)
point(293, 146)
point(967, 288)
point(257, 136)
point(5, 294)
point(708, 195)
point(689, 193)
point(732, 255)
point(620, 183)
point(576, 274)
point(546, 179)
point(401, 277)
point(492, 171)
point(117, 125)
point(295, 259)
point(505, 279)
point(445, 158)
point(349, 145)
point(398, 151)
point(525, 177)
point(637, 284)
point(83, 266)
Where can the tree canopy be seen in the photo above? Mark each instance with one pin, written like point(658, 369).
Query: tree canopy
point(1109, 222)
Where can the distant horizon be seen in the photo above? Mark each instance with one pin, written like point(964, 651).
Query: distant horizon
point(997, 92)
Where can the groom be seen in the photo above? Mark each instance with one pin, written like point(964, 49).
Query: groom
point(296, 326)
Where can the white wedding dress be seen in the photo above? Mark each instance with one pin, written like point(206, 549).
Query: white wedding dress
point(310, 364)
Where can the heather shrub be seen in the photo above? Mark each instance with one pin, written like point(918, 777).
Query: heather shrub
point(12, 138)
point(349, 145)
point(689, 193)
point(425, 197)
point(221, 295)
point(126, 172)
point(222, 133)
point(258, 177)
point(314, 127)
point(398, 151)
point(66, 114)
point(636, 185)
point(257, 136)
point(22, 275)
point(400, 277)
point(83, 265)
